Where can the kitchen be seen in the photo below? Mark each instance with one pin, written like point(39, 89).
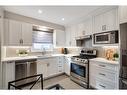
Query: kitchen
point(82, 52)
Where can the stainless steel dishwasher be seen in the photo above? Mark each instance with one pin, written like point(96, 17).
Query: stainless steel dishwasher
point(24, 68)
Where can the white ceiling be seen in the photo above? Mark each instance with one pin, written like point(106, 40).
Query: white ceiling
point(53, 14)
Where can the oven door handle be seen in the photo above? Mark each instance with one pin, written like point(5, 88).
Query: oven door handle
point(79, 64)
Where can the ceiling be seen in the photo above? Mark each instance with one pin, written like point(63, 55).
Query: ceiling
point(53, 14)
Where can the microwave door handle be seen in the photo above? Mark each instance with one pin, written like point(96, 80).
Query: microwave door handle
point(109, 40)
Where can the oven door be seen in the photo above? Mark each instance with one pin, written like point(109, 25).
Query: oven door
point(79, 71)
point(102, 38)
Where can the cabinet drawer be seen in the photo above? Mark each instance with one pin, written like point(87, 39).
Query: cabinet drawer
point(101, 84)
point(105, 66)
point(105, 74)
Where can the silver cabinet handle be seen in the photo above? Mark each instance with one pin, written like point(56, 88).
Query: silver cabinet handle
point(83, 32)
point(103, 27)
point(48, 64)
point(102, 86)
point(102, 74)
point(21, 41)
point(70, 43)
point(60, 70)
point(102, 65)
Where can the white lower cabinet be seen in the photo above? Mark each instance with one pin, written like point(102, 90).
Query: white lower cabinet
point(67, 65)
point(103, 75)
point(8, 73)
point(42, 67)
point(50, 66)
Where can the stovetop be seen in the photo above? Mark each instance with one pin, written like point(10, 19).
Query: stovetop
point(84, 57)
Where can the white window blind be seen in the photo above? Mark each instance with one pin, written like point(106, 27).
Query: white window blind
point(42, 40)
point(42, 37)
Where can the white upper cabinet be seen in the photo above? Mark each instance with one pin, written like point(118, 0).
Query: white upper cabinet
point(17, 33)
point(85, 28)
point(123, 14)
point(88, 27)
point(80, 31)
point(106, 21)
point(68, 38)
point(98, 21)
point(27, 33)
point(14, 35)
point(59, 38)
point(111, 19)
point(73, 35)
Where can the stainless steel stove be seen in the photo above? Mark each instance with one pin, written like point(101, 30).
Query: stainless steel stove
point(80, 67)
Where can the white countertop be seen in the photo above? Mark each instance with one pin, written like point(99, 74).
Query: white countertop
point(19, 58)
point(34, 57)
point(104, 60)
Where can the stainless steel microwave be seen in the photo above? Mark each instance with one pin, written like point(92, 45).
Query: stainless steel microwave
point(110, 37)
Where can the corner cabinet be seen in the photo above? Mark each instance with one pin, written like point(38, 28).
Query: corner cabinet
point(8, 73)
point(17, 33)
point(106, 21)
point(104, 75)
point(59, 38)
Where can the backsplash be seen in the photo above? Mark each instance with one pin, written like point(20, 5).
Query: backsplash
point(12, 51)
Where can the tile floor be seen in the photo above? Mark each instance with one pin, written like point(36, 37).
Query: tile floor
point(62, 80)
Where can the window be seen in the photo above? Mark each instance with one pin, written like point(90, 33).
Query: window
point(42, 40)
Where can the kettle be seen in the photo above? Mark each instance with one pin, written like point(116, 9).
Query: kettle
point(65, 51)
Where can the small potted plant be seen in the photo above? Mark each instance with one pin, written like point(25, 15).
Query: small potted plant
point(116, 56)
point(22, 52)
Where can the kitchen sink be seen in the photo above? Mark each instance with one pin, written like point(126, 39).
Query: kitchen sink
point(43, 56)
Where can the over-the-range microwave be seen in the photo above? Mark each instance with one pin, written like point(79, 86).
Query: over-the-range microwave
point(110, 37)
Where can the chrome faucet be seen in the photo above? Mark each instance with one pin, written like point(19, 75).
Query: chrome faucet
point(43, 51)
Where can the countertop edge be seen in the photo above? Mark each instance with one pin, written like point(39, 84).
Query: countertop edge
point(103, 60)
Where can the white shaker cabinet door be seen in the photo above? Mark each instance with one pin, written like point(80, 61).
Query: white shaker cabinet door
point(27, 34)
point(59, 38)
point(8, 73)
point(15, 33)
point(111, 19)
point(52, 66)
point(68, 36)
point(42, 67)
point(88, 27)
point(73, 35)
point(80, 31)
point(98, 22)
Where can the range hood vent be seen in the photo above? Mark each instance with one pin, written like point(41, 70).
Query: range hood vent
point(84, 37)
